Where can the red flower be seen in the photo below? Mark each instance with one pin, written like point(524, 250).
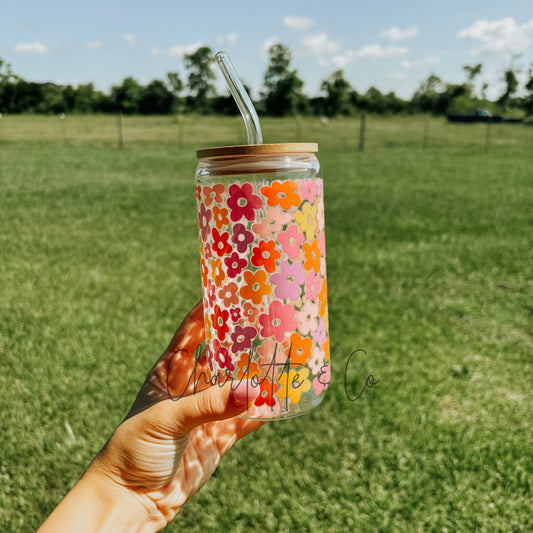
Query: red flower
point(265, 255)
point(221, 245)
point(204, 217)
point(241, 237)
point(235, 314)
point(267, 393)
point(242, 202)
point(222, 356)
point(242, 338)
point(235, 264)
point(219, 320)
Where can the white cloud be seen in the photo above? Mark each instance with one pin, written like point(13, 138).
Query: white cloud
point(341, 60)
point(265, 47)
point(129, 39)
point(376, 51)
point(396, 34)
point(181, 50)
point(155, 51)
point(229, 40)
point(298, 23)
point(397, 75)
point(95, 45)
point(420, 63)
point(318, 45)
point(31, 48)
point(499, 38)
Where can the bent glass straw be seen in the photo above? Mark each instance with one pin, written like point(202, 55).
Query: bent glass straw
point(243, 101)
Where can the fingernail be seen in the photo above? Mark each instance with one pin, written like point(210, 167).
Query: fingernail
point(243, 392)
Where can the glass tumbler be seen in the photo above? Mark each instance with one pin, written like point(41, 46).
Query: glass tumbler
point(263, 267)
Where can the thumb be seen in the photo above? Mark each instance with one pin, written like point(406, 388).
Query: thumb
point(215, 403)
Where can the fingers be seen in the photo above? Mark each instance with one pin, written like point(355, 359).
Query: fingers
point(214, 403)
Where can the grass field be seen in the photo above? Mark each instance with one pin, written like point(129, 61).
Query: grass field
point(430, 272)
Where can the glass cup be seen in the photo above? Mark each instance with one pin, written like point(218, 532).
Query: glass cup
point(263, 266)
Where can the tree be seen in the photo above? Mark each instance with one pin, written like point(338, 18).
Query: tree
point(337, 100)
point(200, 77)
point(528, 100)
point(283, 94)
point(176, 86)
point(427, 95)
point(472, 71)
point(156, 99)
point(126, 96)
point(511, 85)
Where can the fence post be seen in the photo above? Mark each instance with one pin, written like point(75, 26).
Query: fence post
point(120, 131)
point(426, 133)
point(487, 137)
point(362, 132)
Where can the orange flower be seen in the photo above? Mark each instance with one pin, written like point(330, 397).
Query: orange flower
point(312, 256)
point(218, 273)
point(326, 350)
point(282, 193)
point(323, 297)
point(299, 350)
point(265, 255)
point(255, 287)
point(220, 214)
point(205, 271)
point(247, 369)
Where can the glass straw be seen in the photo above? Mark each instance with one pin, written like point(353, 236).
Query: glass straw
point(244, 103)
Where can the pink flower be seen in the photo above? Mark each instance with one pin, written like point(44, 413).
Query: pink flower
point(289, 281)
point(308, 190)
point(321, 238)
point(242, 202)
point(241, 237)
point(306, 317)
point(320, 335)
point(234, 264)
point(319, 187)
point(316, 361)
point(291, 240)
point(277, 321)
point(312, 285)
point(242, 338)
point(204, 217)
point(273, 222)
point(321, 382)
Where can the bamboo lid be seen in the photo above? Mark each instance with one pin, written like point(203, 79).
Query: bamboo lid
point(258, 149)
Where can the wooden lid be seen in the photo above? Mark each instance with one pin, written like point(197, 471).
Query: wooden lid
point(257, 149)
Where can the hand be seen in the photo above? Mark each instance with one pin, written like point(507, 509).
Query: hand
point(165, 449)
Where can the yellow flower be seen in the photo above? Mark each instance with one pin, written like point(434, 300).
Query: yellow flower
point(294, 384)
point(306, 219)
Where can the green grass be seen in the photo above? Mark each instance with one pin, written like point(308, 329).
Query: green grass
point(429, 271)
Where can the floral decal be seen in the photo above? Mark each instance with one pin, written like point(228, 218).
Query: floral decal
point(263, 268)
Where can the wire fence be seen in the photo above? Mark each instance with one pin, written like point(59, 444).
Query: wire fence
point(189, 132)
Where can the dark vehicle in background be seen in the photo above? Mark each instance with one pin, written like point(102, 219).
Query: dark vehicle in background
point(481, 115)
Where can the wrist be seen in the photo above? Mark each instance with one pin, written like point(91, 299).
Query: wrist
point(97, 503)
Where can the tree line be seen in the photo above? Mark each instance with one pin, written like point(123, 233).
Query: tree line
point(282, 93)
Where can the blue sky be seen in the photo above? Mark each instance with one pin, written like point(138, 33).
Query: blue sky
point(390, 44)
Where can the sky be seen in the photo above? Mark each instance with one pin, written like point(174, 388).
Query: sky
point(390, 44)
